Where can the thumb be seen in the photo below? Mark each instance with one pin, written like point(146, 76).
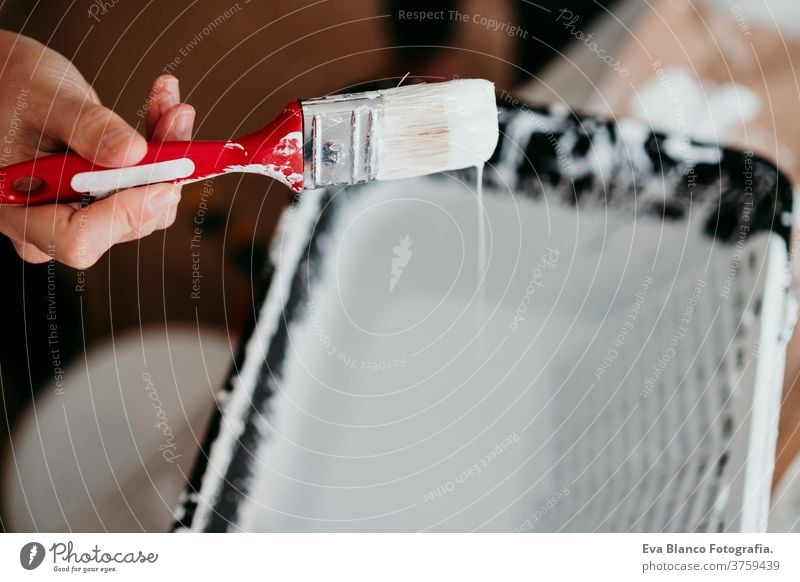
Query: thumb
point(95, 133)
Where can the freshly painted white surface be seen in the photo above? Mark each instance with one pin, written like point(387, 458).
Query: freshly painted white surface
point(397, 410)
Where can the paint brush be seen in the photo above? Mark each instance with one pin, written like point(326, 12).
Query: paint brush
point(342, 139)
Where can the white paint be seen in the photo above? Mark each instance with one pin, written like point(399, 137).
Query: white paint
point(121, 178)
point(679, 149)
point(674, 100)
point(271, 170)
point(481, 309)
point(289, 144)
point(481, 221)
point(436, 127)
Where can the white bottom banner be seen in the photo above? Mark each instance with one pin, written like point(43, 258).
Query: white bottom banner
point(401, 557)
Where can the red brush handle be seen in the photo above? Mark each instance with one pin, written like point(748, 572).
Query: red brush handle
point(276, 151)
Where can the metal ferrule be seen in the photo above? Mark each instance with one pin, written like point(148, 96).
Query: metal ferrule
point(339, 139)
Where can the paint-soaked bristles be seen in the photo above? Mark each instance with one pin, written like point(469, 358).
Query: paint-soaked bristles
point(435, 127)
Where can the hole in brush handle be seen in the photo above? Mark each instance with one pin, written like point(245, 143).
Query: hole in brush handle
point(28, 185)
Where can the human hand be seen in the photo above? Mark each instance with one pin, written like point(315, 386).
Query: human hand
point(47, 106)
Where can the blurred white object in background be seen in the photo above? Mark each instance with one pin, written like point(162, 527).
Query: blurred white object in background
point(113, 450)
point(783, 15)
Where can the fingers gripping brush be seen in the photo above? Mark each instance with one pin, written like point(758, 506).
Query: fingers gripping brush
point(342, 139)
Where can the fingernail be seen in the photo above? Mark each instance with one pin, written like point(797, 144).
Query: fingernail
point(164, 199)
point(170, 82)
point(184, 123)
point(168, 95)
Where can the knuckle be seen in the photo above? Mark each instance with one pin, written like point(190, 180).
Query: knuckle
point(79, 255)
point(28, 254)
point(93, 96)
point(141, 232)
point(171, 219)
point(131, 217)
point(148, 228)
point(166, 220)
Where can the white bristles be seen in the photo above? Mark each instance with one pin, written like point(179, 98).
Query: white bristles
point(435, 127)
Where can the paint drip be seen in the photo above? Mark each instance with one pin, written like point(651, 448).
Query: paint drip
point(481, 266)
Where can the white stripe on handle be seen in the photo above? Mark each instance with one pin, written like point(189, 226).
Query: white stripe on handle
point(121, 178)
